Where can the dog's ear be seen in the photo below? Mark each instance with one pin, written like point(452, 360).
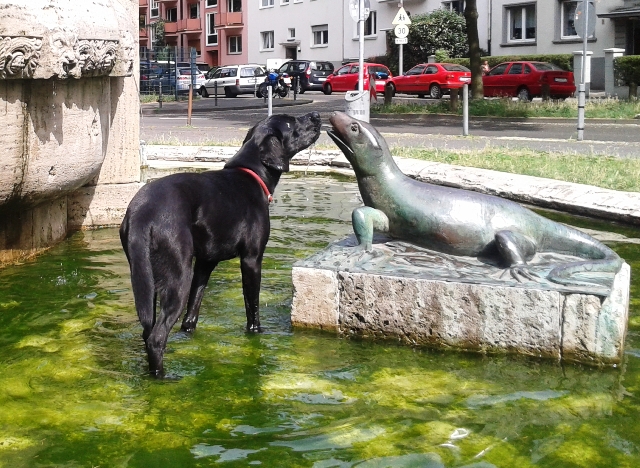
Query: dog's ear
point(250, 133)
point(272, 153)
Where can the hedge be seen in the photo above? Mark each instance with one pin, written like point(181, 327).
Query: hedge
point(564, 61)
point(627, 69)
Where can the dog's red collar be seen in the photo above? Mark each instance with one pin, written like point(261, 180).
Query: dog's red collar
point(259, 180)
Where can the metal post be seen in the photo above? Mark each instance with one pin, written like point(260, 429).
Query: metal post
point(361, 45)
point(400, 50)
point(465, 110)
point(581, 87)
point(269, 98)
point(295, 86)
point(190, 106)
point(215, 90)
point(160, 95)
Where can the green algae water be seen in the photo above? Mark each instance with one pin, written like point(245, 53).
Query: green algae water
point(74, 390)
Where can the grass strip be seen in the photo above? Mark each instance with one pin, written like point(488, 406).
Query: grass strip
point(610, 173)
point(594, 109)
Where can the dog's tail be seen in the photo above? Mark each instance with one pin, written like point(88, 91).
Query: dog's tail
point(136, 248)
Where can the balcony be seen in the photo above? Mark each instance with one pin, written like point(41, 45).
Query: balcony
point(190, 25)
point(143, 33)
point(229, 20)
point(171, 28)
point(143, 3)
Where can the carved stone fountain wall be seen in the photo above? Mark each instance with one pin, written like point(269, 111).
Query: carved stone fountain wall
point(69, 113)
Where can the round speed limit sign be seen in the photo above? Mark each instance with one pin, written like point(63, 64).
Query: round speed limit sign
point(401, 30)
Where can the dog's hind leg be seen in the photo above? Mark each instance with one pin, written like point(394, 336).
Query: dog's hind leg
point(201, 273)
point(251, 268)
point(173, 297)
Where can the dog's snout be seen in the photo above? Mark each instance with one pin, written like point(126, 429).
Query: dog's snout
point(315, 115)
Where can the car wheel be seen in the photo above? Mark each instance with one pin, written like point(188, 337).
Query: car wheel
point(229, 93)
point(392, 89)
point(301, 91)
point(298, 88)
point(434, 91)
point(523, 95)
point(203, 92)
point(327, 89)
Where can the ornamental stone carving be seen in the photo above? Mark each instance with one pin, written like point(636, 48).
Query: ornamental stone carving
point(19, 56)
point(40, 39)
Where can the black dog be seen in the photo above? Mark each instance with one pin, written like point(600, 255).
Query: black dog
point(210, 217)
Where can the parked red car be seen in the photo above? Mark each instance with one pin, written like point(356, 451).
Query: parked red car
point(433, 79)
point(525, 79)
point(345, 78)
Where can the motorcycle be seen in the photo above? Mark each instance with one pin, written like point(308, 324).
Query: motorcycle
point(280, 85)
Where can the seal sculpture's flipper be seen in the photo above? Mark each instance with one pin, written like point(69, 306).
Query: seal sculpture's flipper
point(460, 222)
point(365, 219)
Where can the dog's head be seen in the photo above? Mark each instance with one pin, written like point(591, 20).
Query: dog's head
point(277, 139)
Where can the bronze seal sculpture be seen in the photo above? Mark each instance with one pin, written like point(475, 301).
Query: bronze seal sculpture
point(456, 221)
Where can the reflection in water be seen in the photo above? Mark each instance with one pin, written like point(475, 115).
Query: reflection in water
point(74, 391)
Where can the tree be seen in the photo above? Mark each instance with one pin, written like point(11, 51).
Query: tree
point(475, 54)
point(428, 33)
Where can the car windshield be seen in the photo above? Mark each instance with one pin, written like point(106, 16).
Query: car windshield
point(321, 66)
point(454, 67)
point(184, 71)
point(543, 66)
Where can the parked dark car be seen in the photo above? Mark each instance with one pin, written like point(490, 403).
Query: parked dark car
point(311, 75)
point(525, 79)
point(432, 79)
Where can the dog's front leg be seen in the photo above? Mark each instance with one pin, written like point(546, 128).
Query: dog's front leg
point(251, 268)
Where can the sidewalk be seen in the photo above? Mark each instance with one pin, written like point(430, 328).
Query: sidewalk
point(206, 105)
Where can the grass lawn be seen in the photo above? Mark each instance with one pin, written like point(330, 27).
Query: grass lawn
point(611, 173)
point(595, 108)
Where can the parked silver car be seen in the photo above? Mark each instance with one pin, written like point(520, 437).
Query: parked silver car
point(234, 80)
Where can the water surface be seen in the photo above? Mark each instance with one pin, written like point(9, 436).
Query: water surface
point(74, 390)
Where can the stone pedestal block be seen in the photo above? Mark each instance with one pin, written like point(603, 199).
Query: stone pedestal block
point(426, 298)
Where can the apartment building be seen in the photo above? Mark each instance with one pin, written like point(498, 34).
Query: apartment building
point(325, 30)
point(216, 29)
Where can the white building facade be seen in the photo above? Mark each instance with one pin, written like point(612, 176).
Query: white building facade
point(295, 29)
point(324, 29)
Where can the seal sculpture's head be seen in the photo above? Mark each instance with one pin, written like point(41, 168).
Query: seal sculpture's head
point(362, 145)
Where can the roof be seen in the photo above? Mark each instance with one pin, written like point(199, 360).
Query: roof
point(624, 12)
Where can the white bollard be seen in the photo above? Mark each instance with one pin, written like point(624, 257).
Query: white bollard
point(465, 110)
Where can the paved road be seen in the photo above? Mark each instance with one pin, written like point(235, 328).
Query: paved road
point(230, 121)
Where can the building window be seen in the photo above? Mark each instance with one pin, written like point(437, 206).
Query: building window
point(320, 34)
point(266, 40)
point(234, 6)
point(266, 3)
point(456, 6)
point(155, 9)
point(567, 19)
point(522, 23)
point(172, 15)
point(235, 44)
point(194, 10)
point(292, 33)
point(284, 2)
point(212, 32)
point(212, 3)
point(370, 26)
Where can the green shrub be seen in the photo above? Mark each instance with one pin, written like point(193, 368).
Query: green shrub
point(627, 69)
point(564, 61)
point(441, 55)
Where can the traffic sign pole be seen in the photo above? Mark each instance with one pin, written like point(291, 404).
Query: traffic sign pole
point(581, 87)
point(361, 18)
point(401, 22)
